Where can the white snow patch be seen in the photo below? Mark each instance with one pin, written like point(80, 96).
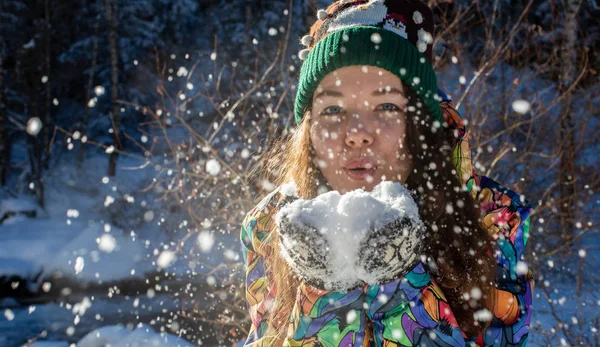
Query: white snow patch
point(51, 245)
point(13, 210)
point(119, 336)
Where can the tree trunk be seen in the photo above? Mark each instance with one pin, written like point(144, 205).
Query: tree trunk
point(88, 91)
point(4, 142)
point(47, 118)
point(114, 79)
point(567, 128)
point(248, 22)
point(31, 110)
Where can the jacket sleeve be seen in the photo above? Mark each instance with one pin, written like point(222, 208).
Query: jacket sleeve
point(260, 289)
point(506, 215)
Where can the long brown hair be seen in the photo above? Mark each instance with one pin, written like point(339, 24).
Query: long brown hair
point(461, 267)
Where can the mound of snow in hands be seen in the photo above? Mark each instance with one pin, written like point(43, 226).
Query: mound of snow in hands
point(351, 226)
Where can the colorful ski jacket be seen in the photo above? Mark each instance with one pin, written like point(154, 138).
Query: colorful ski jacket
point(415, 311)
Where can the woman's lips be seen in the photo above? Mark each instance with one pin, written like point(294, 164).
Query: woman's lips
point(360, 175)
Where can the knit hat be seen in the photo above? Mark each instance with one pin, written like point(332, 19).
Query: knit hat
point(396, 35)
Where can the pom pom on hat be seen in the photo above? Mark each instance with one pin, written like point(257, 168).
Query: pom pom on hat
point(303, 53)
point(322, 14)
point(306, 40)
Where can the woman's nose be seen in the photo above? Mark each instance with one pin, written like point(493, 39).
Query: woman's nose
point(357, 136)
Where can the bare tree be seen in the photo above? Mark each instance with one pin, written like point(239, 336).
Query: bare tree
point(309, 18)
point(4, 142)
point(88, 90)
point(111, 15)
point(47, 88)
point(567, 149)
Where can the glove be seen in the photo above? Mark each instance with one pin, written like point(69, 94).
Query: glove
point(391, 251)
point(305, 250)
point(309, 254)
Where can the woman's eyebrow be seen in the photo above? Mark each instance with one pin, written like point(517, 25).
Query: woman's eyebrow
point(379, 91)
point(328, 92)
point(384, 91)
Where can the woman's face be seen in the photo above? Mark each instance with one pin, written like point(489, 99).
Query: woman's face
point(358, 128)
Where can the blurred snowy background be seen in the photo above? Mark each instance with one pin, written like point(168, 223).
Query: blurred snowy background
point(130, 133)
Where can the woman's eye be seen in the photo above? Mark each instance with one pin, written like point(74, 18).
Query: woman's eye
point(389, 107)
point(332, 110)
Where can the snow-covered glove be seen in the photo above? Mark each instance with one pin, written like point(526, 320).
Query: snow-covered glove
point(391, 251)
point(305, 250)
point(309, 250)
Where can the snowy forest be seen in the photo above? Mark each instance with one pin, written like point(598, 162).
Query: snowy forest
point(131, 133)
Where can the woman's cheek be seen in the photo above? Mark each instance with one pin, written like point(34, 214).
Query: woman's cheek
point(322, 143)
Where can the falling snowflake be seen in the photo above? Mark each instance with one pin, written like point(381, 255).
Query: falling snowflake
point(417, 17)
point(79, 264)
point(72, 213)
point(148, 216)
point(107, 243)
point(109, 200)
point(182, 72)
point(483, 315)
point(351, 316)
point(8, 313)
point(99, 90)
point(521, 106)
point(205, 241)
point(213, 167)
point(376, 38)
point(165, 259)
point(34, 125)
point(522, 268)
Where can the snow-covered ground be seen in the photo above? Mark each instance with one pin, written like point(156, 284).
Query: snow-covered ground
point(73, 236)
point(72, 323)
point(81, 266)
point(91, 252)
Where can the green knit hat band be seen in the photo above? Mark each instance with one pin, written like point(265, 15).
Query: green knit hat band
point(371, 46)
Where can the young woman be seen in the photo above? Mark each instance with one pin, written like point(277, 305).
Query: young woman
point(368, 110)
